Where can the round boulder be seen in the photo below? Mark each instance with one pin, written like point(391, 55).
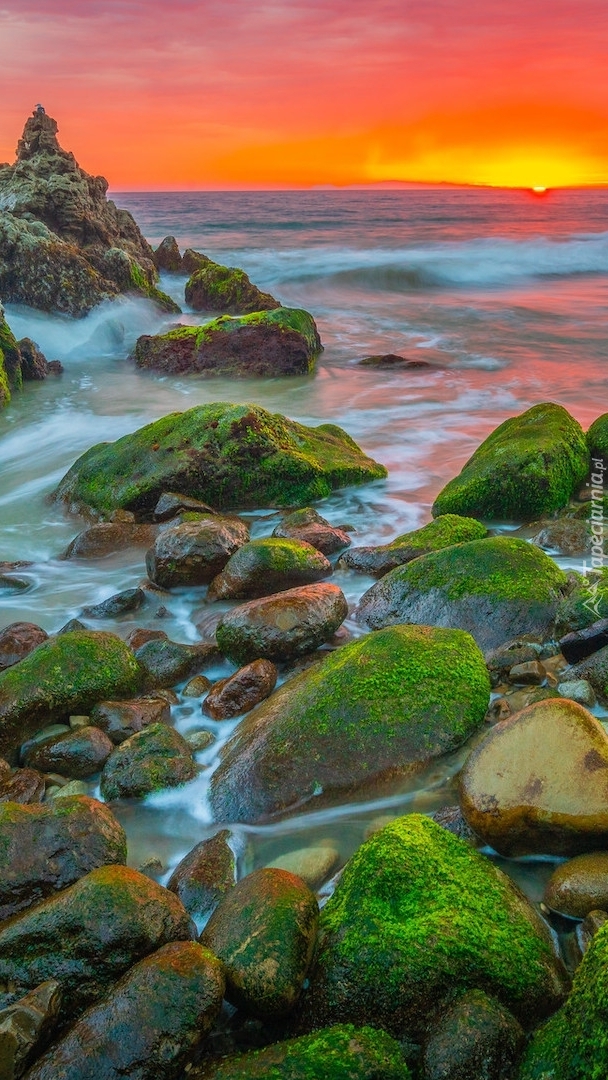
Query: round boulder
point(241, 691)
point(193, 552)
point(154, 758)
point(579, 886)
point(267, 566)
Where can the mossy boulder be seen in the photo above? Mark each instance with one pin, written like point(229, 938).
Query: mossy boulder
point(156, 757)
point(227, 289)
point(267, 566)
point(309, 526)
point(377, 708)
point(585, 603)
point(265, 343)
point(597, 438)
point(78, 754)
point(475, 1037)
point(66, 674)
point(148, 1026)
point(264, 931)
point(193, 552)
point(10, 361)
point(497, 589)
point(342, 1052)
point(529, 466)
point(87, 935)
point(231, 456)
point(441, 533)
point(417, 917)
point(205, 874)
point(573, 1044)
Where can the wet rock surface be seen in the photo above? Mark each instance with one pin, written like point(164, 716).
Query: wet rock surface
point(154, 758)
point(206, 874)
point(26, 1027)
point(227, 289)
point(443, 532)
point(164, 663)
point(77, 754)
point(476, 1037)
point(579, 886)
point(267, 566)
point(106, 537)
point(22, 786)
point(193, 552)
point(18, 640)
point(241, 691)
point(308, 526)
point(121, 719)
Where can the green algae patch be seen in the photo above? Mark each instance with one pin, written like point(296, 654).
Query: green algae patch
point(226, 288)
point(140, 282)
point(528, 467)
point(444, 532)
point(375, 709)
point(597, 438)
point(269, 565)
point(66, 674)
point(342, 1052)
point(229, 456)
point(573, 1045)
point(418, 917)
point(10, 362)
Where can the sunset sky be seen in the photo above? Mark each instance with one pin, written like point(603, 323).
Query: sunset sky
point(186, 94)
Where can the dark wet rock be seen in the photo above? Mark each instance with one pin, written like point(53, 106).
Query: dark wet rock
point(121, 603)
point(45, 848)
point(505, 656)
point(106, 537)
point(167, 256)
point(451, 818)
point(284, 341)
point(171, 504)
point(417, 917)
point(148, 1026)
point(71, 626)
point(529, 466)
point(26, 1027)
point(65, 246)
point(267, 566)
point(264, 932)
point(193, 552)
point(34, 364)
point(284, 626)
point(166, 663)
point(121, 719)
point(77, 754)
point(17, 640)
point(227, 455)
point(538, 782)
point(241, 691)
point(309, 527)
point(226, 289)
point(339, 1051)
point(566, 536)
point(376, 709)
point(475, 1037)
point(579, 886)
point(12, 583)
point(141, 635)
point(586, 931)
point(529, 673)
point(66, 674)
point(582, 643)
point(22, 786)
point(193, 260)
point(392, 361)
point(154, 758)
point(445, 531)
point(595, 670)
point(206, 874)
point(496, 589)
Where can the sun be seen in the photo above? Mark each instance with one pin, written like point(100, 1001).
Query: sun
point(538, 189)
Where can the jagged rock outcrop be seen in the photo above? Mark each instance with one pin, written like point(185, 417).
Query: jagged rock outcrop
point(19, 361)
point(63, 245)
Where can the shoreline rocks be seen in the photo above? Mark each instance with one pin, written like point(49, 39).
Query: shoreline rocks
point(227, 289)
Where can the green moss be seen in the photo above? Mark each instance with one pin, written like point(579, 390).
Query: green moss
point(141, 283)
point(444, 532)
point(276, 555)
point(5, 393)
point(226, 455)
point(226, 288)
point(529, 466)
point(585, 604)
point(597, 438)
point(419, 916)
point(10, 362)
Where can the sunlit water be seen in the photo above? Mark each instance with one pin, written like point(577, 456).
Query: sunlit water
point(505, 294)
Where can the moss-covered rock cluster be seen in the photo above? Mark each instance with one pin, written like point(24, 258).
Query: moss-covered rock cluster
point(443, 532)
point(227, 289)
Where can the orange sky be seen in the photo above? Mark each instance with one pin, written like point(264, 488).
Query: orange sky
point(244, 94)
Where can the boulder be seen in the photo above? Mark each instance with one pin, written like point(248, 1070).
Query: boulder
point(165, 663)
point(46, 848)
point(579, 886)
point(122, 603)
point(284, 626)
point(206, 874)
point(23, 786)
point(77, 754)
point(586, 602)
point(66, 674)
point(441, 533)
point(231, 456)
point(264, 931)
point(17, 640)
point(193, 552)
point(594, 669)
point(417, 917)
point(497, 589)
point(474, 1037)
point(120, 719)
point(240, 692)
point(148, 1026)
point(107, 537)
point(597, 439)
point(26, 1027)
point(375, 709)
point(284, 341)
point(308, 526)
point(267, 566)
point(227, 289)
point(580, 644)
point(87, 935)
point(538, 782)
point(154, 758)
point(64, 246)
point(34, 364)
point(167, 256)
point(528, 467)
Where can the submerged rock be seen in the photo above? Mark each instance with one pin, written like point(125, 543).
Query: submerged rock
point(193, 552)
point(230, 456)
point(445, 531)
point(529, 466)
point(308, 526)
point(227, 289)
point(284, 341)
point(377, 708)
point(497, 589)
point(267, 566)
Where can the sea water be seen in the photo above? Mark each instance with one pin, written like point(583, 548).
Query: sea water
point(503, 294)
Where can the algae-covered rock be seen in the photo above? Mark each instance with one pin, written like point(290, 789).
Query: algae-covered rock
point(266, 566)
point(227, 289)
point(377, 708)
point(284, 341)
point(497, 589)
point(10, 361)
point(264, 932)
point(309, 526)
point(193, 552)
point(227, 455)
point(597, 439)
point(417, 916)
point(441, 533)
point(342, 1052)
point(66, 674)
point(148, 1026)
point(86, 935)
point(529, 466)
point(573, 1044)
point(475, 1037)
point(154, 758)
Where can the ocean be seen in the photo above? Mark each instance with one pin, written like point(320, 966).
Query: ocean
point(504, 294)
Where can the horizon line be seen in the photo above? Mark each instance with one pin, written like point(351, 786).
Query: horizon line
point(387, 185)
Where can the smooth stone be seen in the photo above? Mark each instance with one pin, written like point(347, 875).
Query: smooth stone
point(17, 640)
point(240, 692)
point(199, 740)
point(171, 503)
point(308, 526)
point(121, 719)
point(530, 673)
point(267, 566)
point(579, 886)
point(22, 786)
point(106, 537)
point(26, 1027)
point(75, 787)
point(578, 690)
point(197, 687)
point(193, 552)
point(121, 603)
point(538, 782)
point(313, 864)
point(206, 874)
point(476, 1037)
point(586, 931)
point(78, 754)
point(156, 757)
point(501, 659)
point(165, 663)
point(445, 531)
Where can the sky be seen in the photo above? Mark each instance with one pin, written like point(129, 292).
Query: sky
point(180, 94)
